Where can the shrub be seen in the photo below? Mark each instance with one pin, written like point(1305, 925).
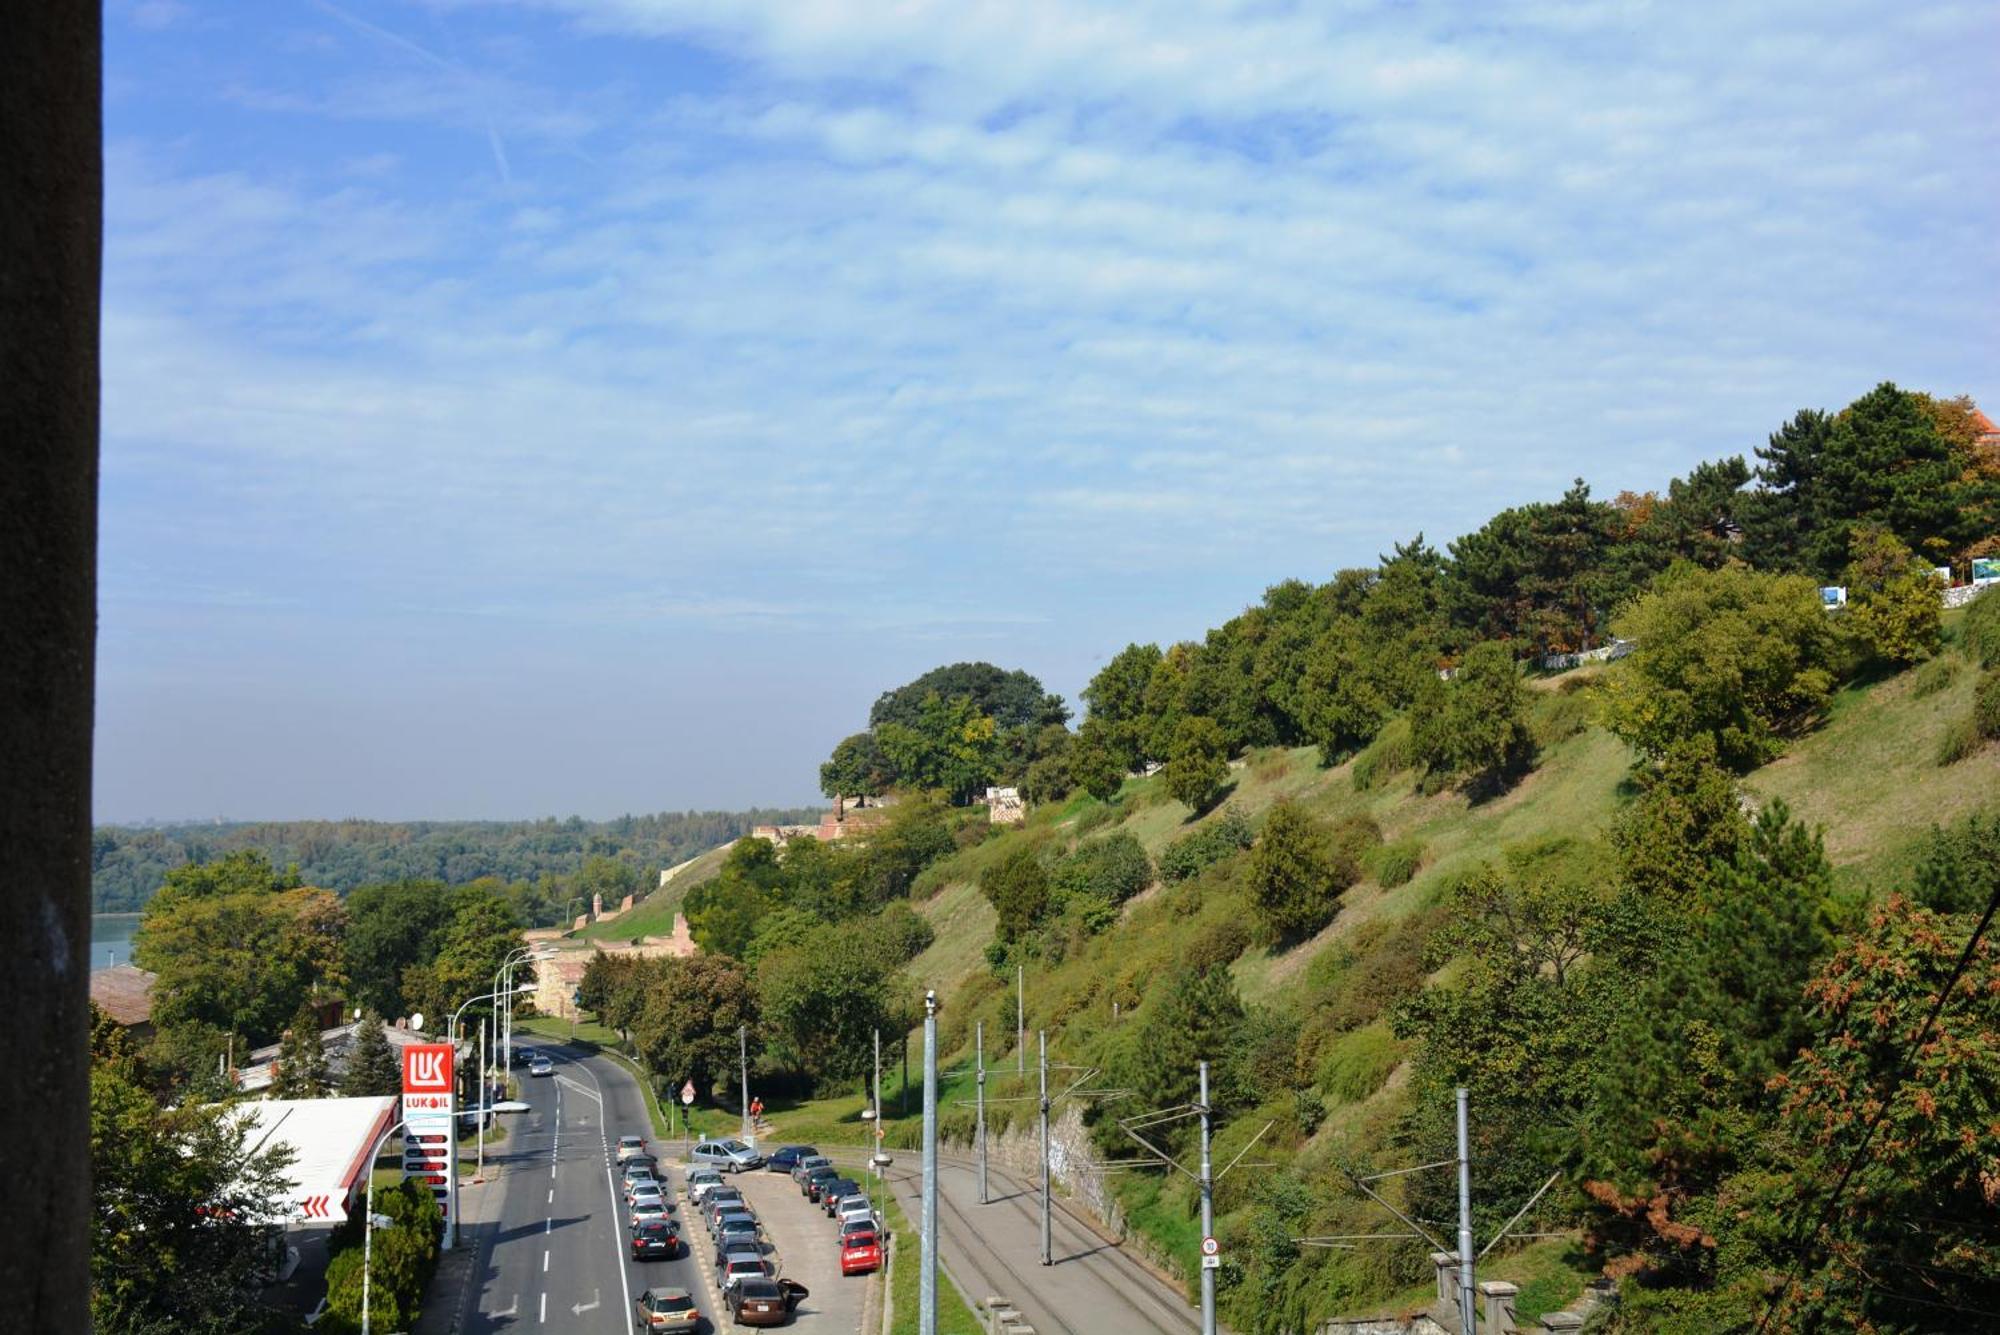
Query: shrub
point(1099, 816)
point(1390, 754)
point(1980, 631)
point(1220, 943)
point(1357, 1064)
point(1986, 704)
point(1210, 843)
point(1296, 874)
point(904, 932)
point(1198, 762)
point(1935, 676)
point(1395, 864)
point(1473, 729)
point(1896, 603)
point(1019, 891)
point(1961, 741)
point(1959, 866)
point(1744, 656)
point(1561, 714)
point(1112, 869)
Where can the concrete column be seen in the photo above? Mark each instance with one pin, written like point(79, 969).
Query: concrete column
point(1561, 1323)
point(1497, 1306)
point(1447, 1276)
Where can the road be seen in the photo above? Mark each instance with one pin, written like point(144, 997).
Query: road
point(546, 1233)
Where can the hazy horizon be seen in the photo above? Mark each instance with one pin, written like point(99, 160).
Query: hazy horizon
point(550, 406)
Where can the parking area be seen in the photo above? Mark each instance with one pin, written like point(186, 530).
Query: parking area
point(802, 1240)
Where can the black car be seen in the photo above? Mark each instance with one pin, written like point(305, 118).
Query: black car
point(655, 1238)
point(787, 1157)
point(816, 1179)
point(831, 1192)
point(762, 1302)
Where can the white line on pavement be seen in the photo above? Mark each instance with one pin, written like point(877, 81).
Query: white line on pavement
point(545, 1260)
point(610, 1188)
point(544, 1318)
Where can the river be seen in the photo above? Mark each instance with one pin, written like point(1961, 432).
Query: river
point(111, 938)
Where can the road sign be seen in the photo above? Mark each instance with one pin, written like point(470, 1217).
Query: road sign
point(428, 1105)
point(687, 1093)
point(1210, 1247)
point(1211, 1263)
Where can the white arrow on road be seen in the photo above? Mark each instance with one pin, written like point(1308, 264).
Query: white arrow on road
point(578, 1309)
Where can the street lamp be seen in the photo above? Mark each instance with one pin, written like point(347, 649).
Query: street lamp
point(519, 956)
point(451, 1175)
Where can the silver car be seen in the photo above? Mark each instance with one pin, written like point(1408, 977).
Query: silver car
point(725, 1156)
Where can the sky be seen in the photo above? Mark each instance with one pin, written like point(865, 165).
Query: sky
point(590, 406)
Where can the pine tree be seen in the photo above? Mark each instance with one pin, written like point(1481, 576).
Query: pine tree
point(371, 1066)
point(1292, 875)
point(302, 1070)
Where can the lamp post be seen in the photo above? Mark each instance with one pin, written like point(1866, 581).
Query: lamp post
point(573, 899)
point(451, 1140)
point(503, 979)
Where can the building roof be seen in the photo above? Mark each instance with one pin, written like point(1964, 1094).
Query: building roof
point(330, 1140)
point(125, 993)
point(1983, 424)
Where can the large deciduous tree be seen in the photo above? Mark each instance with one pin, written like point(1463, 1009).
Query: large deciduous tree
point(1198, 763)
point(1294, 880)
point(688, 1018)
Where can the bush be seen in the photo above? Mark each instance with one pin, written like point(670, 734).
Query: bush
point(1961, 741)
point(1473, 730)
point(1895, 602)
point(1935, 676)
point(1396, 864)
point(1018, 889)
point(1986, 704)
point(1209, 844)
point(1220, 943)
point(1390, 754)
point(1980, 631)
point(1197, 763)
point(1297, 874)
point(904, 932)
point(1561, 714)
point(1357, 1064)
point(1112, 869)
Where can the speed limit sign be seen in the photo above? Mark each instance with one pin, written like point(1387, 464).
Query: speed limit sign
point(1211, 1254)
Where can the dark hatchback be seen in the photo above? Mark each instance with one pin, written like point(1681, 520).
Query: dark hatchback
point(787, 1158)
point(832, 1190)
point(762, 1302)
point(817, 1179)
point(655, 1239)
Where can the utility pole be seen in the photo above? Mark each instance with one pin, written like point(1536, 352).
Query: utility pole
point(927, 1272)
point(979, 1106)
point(1043, 1037)
point(1021, 1020)
point(1207, 1212)
point(875, 1155)
point(479, 1059)
point(743, 1086)
point(1465, 1291)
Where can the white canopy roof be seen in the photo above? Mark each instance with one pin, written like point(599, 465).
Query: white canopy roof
point(330, 1140)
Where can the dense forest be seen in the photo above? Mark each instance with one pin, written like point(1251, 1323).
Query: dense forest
point(128, 863)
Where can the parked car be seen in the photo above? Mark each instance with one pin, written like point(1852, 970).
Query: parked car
point(540, 1065)
point(701, 1181)
point(726, 1219)
point(655, 1238)
point(787, 1157)
point(807, 1164)
point(722, 1198)
point(669, 1310)
point(647, 1190)
point(740, 1233)
point(860, 1252)
point(855, 1208)
point(810, 1185)
point(736, 1269)
point(766, 1302)
point(831, 1194)
point(727, 1156)
point(640, 1163)
point(630, 1147)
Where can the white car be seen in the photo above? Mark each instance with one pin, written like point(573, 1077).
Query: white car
point(726, 1156)
point(645, 1208)
point(539, 1065)
point(701, 1181)
point(629, 1146)
point(854, 1207)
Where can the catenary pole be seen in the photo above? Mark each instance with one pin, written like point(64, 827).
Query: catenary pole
point(927, 1272)
point(979, 1102)
point(1465, 1291)
point(1021, 1020)
point(1207, 1212)
point(1048, 1257)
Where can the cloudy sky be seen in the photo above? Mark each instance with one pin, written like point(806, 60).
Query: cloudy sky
point(590, 405)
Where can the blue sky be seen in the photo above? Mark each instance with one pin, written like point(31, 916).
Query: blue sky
point(562, 406)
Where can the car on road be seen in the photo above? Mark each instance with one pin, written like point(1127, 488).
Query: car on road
point(667, 1310)
point(540, 1065)
point(631, 1147)
point(726, 1156)
point(736, 1269)
point(655, 1238)
point(767, 1302)
point(807, 1164)
point(832, 1193)
point(740, 1234)
point(786, 1157)
point(810, 1185)
point(860, 1252)
point(643, 1179)
point(644, 1195)
point(648, 1210)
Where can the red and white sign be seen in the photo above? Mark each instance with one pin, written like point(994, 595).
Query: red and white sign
point(316, 1207)
point(427, 1068)
point(1210, 1247)
point(687, 1093)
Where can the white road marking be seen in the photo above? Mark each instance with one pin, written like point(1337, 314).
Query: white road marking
point(610, 1188)
point(544, 1317)
point(596, 1301)
point(545, 1260)
point(549, 1224)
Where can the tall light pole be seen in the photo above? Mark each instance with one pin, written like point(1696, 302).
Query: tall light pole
point(368, 1223)
point(1021, 1020)
point(451, 1139)
point(1048, 1257)
point(1466, 1299)
point(979, 1104)
point(875, 1129)
point(1207, 1212)
point(503, 979)
point(927, 1272)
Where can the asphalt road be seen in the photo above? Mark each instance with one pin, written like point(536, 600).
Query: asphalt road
point(551, 1251)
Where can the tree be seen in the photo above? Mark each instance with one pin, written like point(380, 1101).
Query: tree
point(1190, 1016)
point(692, 1009)
point(1018, 889)
point(1339, 705)
point(1095, 764)
point(823, 1001)
point(1198, 763)
point(1887, 465)
point(1745, 657)
point(1293, 879)
point(1535, 573)
point(1782, 514)
point(1010, 699)
point(302, 1069)
point(1895, 602)
point(857, 768)
point(1960, 866)
point(371, 1067)
point(179, 1205)
point(1474, 730)
point(1116, 698)
point(1112, 869)
point(472, 946)
point(391, 927)
point(1686, 824)
point(949, 746)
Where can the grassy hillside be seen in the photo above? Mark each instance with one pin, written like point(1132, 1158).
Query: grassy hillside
point(654, 915)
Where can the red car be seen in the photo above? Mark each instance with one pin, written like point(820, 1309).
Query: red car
point(860, 1253)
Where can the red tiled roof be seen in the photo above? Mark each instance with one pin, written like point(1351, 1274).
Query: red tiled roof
point(124, 992)
point(1984, 424)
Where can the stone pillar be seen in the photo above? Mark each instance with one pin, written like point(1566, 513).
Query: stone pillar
point(1561, 1323)
point(1447, 1276)
point(1498, 1306)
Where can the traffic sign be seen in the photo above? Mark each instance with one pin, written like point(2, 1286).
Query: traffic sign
point(687, 1093)
point(1210, 1247)
point(1211, 1263)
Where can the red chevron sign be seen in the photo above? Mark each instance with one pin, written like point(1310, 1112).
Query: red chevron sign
point(315, 1207)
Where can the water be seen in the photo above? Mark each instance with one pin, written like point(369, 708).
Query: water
point(111, 933)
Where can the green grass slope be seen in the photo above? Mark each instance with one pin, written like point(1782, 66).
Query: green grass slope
point(654, 915)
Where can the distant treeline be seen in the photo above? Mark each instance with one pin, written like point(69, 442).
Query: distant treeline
point(128, 863)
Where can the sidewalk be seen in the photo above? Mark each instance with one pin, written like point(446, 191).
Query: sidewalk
point(454, 1288)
